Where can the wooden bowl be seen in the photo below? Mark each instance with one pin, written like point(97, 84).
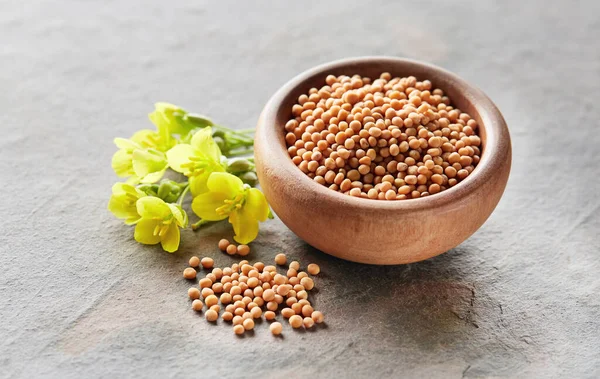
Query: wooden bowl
point(380, 231)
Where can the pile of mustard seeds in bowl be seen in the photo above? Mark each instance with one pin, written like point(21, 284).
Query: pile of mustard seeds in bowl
point(247, 292)
point(386, 139)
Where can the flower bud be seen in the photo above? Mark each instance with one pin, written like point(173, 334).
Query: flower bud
point(239, 165)
point(198, 120)
point(249, 178)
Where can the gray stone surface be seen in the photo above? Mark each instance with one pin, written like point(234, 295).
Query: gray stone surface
point(79, 298)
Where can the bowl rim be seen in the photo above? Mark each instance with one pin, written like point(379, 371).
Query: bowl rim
point(495, 149)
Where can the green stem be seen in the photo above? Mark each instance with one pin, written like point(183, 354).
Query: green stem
point(240, 153)
point(198, 224)
point(183, 193)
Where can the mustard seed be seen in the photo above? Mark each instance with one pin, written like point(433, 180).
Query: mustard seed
point(194, 261)
point(313, 269)
point(295, 265)
point(237, 320)
point(238, 329)
point(231, 249)
point(207, 262)
point(193, 293)
point(317, 316)
point(207, 292)
point(227, 316)
point(223, 244)
point(308, 322)
point(243, 250)
point(211, 300)
point(197, 305)
point(276, 328)
point(248, 324)
point(295, 321)
point(211, 315)
point(189, 273)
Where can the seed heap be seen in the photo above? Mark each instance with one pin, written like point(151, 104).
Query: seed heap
point(387, 139)
point(248, 292)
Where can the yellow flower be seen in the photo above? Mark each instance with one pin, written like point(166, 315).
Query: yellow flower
point(141, 157)
point(123, 200)
point(228, 196)
point(197, 160)
point(160, 222)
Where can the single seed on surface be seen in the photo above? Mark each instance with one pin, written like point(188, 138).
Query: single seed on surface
point(243, 250)
point(189, 273)
point(227, 316)
point(295, 265)
point(207, 262)
point(223, 244)
point(248, 324)
point(317, 316)
point(194, 293)
point(237, 320)
point(276, 328)
point(231, 249)
point(295, 321)
point(313, 269)
point(211, 315)
point(194, 261)
point(197, 305)
point(238, 329)
point(207, 292)
point(280, 259)
point(269, 315)
point(308, 322)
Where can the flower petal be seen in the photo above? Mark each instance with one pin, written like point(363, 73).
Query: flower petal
point(256, 204)
point(223, 182)
point(180, 155)
point(153, 177)
point(170, 241)
point(178, 213)
point(121, 163)
point(205, 205)
point(144, 232)
point(148, 161)
point(245, 226)
point(198, 183)
point(151, 207)
point(122, 202)
point(205, 144)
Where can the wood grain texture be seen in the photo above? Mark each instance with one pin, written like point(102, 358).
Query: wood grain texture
point(376, 231)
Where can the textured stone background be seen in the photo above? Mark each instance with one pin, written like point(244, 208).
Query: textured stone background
point(78, 297)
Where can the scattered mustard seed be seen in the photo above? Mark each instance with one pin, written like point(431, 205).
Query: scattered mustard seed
point(295, 321)
point(276, 328)
point(280, 259)
point(248, 324)
point(189, 273)
point(243, 250)
point(231, 249)
point(313, 269)
point(197, 305)
point(238, 329)
point(247, 292)
point(207, 262)
point(194, 293)
point(211, 315)
point(223, 244)
point(194, 261)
